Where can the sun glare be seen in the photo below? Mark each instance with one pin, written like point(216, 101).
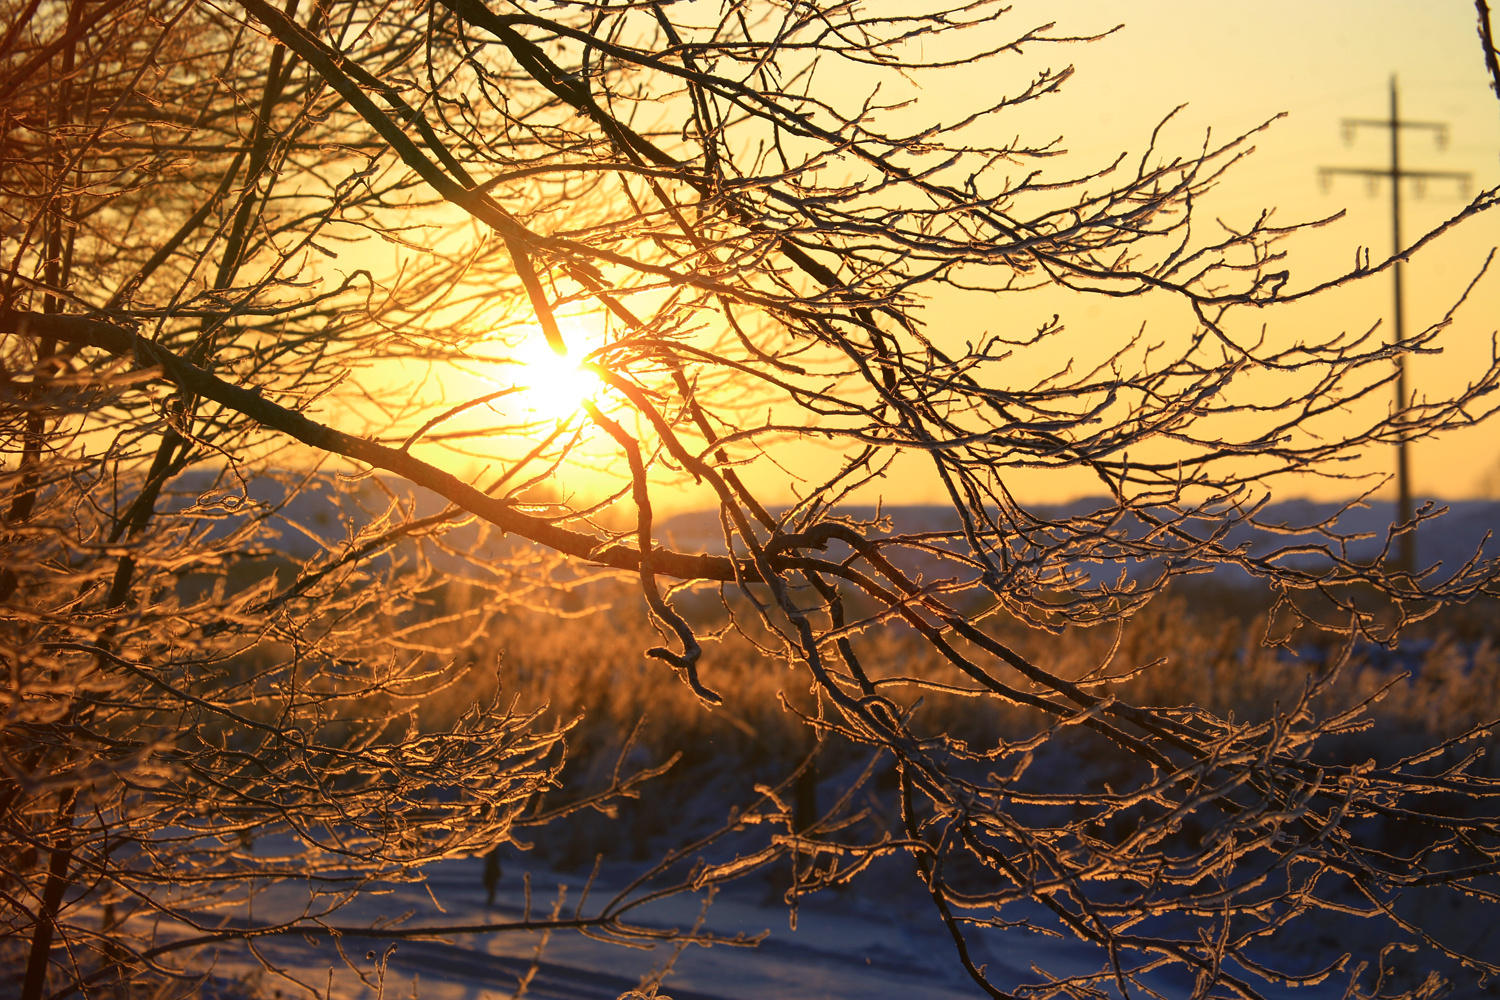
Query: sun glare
point(555, 385)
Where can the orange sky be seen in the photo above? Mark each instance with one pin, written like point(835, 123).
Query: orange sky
point(1236, 64)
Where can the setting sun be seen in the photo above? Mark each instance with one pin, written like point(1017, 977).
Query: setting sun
point(555, 384)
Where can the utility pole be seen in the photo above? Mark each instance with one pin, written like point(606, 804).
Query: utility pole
point(1395, 174)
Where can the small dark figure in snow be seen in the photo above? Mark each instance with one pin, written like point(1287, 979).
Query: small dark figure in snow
point(491, 874)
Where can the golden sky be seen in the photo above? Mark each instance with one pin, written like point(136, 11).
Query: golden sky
point(1235, 65)
point(1319, 61)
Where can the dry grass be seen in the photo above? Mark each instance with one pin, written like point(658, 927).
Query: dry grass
point(587, 667)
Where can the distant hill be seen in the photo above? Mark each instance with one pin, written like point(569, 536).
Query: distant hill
point(331, 511)
point(1467, 527)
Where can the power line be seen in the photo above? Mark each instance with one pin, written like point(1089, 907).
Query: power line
point(1395, 174)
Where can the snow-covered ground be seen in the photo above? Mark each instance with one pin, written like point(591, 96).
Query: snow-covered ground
point(836, 951)
point(844, 947)
point(879, 941)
